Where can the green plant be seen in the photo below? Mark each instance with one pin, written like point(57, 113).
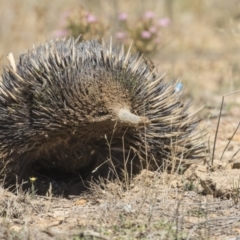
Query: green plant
point(146, 32)
point(79, 21)
point(32, 191)
point(235, 194)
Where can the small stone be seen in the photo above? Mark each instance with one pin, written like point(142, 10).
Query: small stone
point(236, 165)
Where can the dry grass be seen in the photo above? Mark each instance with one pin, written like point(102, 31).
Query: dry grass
point(203, 52)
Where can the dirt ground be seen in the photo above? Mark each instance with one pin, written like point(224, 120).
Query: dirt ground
point(201, 202)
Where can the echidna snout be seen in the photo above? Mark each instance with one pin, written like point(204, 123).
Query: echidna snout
point(129, 119)
point(71, 111)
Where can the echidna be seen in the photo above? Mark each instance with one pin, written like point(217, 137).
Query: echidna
point(72, 110)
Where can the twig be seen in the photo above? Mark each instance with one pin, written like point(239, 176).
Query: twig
point(93, 234)
point(223, 219)
point(216, 133)
point(219, 117)
point(82, 234)
point(235, 154)
point(230, 140)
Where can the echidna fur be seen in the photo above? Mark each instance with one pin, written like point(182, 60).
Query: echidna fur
point(62, 108)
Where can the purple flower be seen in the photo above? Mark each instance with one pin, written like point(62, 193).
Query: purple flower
point(145, 34)
point(164, 22)
point(60, 33)
point(120, 35)
point(122, 16)
point(152, 29)
point(65, 14)
point(148, 15)
point(64, 17)
point(91, 18)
